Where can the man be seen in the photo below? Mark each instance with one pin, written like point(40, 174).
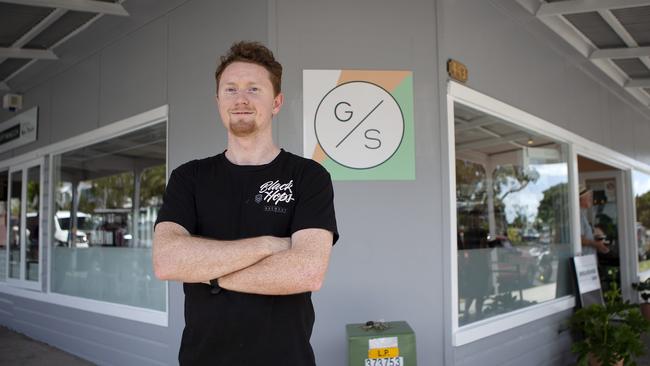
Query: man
point(590, 242)
point(248, 231)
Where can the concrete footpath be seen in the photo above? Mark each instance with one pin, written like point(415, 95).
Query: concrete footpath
point(17, 349)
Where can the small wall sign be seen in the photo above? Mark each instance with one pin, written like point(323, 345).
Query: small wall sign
point(19, 130)
point(457, 71)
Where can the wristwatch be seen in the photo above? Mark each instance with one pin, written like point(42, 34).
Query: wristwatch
point(215, 288)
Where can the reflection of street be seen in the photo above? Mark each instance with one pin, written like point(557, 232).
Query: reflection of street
point(520, 276)
point(493, 304)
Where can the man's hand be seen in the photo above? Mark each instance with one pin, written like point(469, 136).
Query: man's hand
point(275, 244)
point(300, 269)
point(600, 246)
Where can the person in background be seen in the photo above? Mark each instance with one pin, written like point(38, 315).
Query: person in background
point(592, 239)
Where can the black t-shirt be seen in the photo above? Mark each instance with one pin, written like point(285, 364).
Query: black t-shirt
point(217, 199)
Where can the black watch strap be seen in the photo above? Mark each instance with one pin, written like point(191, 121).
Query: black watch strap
point(215, 288)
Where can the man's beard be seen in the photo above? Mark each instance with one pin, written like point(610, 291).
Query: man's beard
point(243, 127)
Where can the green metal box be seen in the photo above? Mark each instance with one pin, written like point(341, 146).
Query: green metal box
point(392, 346)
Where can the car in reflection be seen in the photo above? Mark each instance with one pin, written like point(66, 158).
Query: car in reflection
point(530, 235)
point(62, 229)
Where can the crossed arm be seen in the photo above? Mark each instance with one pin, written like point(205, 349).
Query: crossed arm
point(262, 265)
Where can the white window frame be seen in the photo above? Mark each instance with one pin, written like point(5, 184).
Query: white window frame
point(458, 93)
point(634, 260)
point(23, 168)
point(130, 124)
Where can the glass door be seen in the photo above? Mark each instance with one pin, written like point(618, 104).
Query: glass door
point(23, 253)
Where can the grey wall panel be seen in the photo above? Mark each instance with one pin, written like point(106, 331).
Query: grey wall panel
point(641, 138)
point(40, 97)
point(582, 101)
point(605, 117)
point(75, 100)
point(390, 231)
point(199, 32)
point(621, 127)
point(5, 114)
point(134, 73)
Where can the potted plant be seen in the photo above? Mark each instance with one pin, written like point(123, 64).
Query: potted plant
point(643, 288)
point(610, 334)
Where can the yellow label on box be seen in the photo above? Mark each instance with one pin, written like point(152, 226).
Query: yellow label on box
point(383, 352)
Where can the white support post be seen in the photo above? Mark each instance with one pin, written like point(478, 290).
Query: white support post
point(584, 6)
point(27, 53)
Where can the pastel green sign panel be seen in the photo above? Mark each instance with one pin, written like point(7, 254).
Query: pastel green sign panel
point(359, 123)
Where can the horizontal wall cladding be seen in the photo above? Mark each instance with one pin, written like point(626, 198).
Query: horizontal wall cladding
point(6, 310)
point(547, 345)
point(94, 337)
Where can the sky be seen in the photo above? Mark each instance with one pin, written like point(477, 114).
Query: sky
point(529, 198)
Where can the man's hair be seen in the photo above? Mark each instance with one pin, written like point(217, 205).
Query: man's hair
point(255, 53)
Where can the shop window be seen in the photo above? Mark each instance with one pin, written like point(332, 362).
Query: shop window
point(106, 197)
point(641, 187)
point(512, 206)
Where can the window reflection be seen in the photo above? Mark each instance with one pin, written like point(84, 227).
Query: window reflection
point(106, 199)
point(512, 215)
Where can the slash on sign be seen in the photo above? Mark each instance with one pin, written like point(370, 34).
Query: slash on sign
point(359, 124)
